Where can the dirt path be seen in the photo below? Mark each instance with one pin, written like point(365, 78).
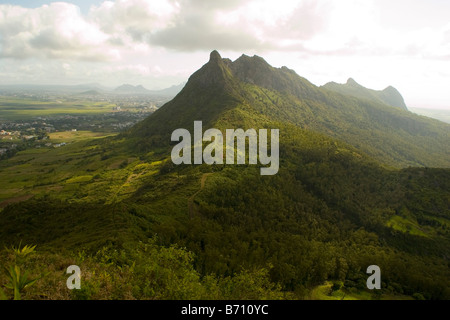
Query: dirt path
point(191, 204)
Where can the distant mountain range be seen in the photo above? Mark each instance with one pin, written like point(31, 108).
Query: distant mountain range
point(94, 89)
point(130, 89)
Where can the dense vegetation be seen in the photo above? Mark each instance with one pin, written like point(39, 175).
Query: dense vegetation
point(327, 215)
point(142, 228)
point(143, 271)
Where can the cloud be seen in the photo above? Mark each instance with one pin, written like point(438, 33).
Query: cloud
point(193, 25)
point(185, 25)
point(239, 25)
point(118, 30)
point(135, 19)
point(133, 69)
point(200, 33)
point(308, 26)
point(52, 31)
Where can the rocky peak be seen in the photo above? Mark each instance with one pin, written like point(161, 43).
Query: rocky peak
point(214, 57)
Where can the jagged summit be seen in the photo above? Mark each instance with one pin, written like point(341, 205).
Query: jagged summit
point(249, 69)
point(212, 73)
point(254, 58)
point(353, 83)
point(215, 56)
point(253, 63)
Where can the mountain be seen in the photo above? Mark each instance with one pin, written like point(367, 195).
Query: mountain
point(93, 89)
point(90, 93)
point(389, 96)
point(149, 229)
point(130, 89)
point(169, 92)
point(249, 92)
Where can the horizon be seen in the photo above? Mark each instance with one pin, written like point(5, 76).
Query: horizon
point(159, 44)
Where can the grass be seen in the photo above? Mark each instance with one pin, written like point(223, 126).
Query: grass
point(406, 226)
point(324, 292)
point(79, 171)
point(75, 136)
point(79, 179)
point(38, 171)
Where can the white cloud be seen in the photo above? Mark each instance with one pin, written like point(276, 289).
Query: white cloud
point(240, 25)
point(113, 30)
point(52, 31)
point(136, 19)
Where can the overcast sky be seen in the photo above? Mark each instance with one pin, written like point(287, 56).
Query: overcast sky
point(159, 43)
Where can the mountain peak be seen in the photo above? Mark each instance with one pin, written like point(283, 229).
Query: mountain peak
point(352, 82)
point(390, 89)
point(213, 73)
point(215, 56)
point(391, 96)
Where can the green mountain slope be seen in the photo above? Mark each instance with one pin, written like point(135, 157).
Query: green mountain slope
point(249, 92)
point(333, 209)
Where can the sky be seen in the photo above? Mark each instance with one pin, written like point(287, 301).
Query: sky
point(160, 43)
